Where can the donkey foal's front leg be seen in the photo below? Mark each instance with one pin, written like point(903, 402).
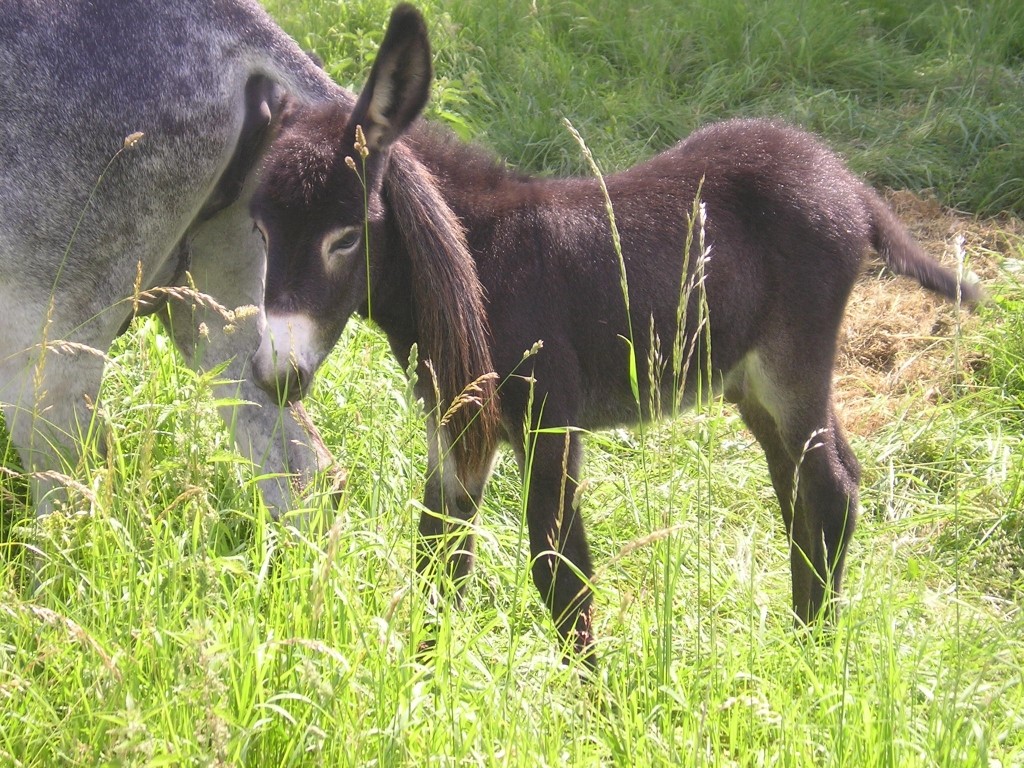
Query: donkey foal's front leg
point(446, 542)
point(558, 544)
point(450, 501)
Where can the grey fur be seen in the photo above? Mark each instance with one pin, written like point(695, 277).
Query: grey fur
point(78, 78)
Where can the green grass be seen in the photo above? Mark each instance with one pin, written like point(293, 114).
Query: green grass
point(922, 94)
point(171, 624)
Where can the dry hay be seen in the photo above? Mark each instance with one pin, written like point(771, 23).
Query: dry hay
point(897, 341)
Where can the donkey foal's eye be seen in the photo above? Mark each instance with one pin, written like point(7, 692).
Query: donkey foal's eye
point(345, 241)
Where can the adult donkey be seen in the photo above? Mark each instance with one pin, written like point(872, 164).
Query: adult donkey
point(788, 227)
point(97, 221)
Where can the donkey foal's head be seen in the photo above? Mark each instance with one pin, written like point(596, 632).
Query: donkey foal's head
point(319, 197)
point(344, 208)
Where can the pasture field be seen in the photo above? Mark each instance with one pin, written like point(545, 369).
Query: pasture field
point(162, 620)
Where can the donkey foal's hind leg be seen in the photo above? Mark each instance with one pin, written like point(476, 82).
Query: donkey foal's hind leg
point(815, 476)
point(829, 483)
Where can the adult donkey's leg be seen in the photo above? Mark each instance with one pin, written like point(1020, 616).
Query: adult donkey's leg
point(228, 265)
point(52, 352)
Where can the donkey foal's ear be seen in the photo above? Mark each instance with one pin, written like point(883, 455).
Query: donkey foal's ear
point(399, 82)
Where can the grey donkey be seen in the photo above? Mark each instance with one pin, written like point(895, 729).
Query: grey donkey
point(130, 135)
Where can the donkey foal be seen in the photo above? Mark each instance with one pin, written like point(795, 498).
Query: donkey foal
point(788, 227)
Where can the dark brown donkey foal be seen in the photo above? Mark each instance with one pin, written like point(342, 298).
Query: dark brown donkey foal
point(787, 227)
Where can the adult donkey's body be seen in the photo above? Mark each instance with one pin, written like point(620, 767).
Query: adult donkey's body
point(83, 230)
point(788, 227)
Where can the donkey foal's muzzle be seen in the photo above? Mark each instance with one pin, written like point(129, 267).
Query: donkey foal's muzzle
point(287, 357)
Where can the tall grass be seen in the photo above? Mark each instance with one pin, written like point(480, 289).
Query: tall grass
point(170, 623)
point(925, 95)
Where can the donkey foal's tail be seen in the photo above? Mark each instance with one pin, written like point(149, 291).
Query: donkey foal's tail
point(905, 257)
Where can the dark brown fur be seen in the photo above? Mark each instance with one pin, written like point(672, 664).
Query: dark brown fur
point(787, 226)
point(304, 177)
